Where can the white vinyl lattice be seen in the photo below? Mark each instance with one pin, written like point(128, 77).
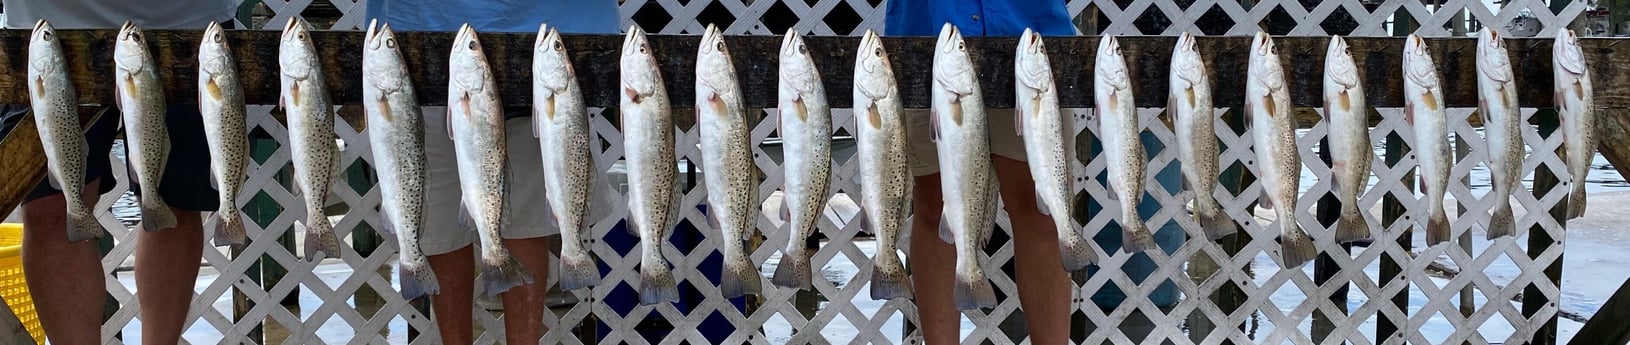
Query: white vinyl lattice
point(336, 318)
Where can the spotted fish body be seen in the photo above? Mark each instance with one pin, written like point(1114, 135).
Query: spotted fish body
point(220, 101)
point(727, 162)
point(396, 134)
point(1502, 124)
point(1349, 138)
point(1049, 137)
point(1123, 147)
point(561, 123)
point(476, 122)
point(1189, 102)
point(1267, 104)
point(885, 167)
point(967, 180)
point(1424, 110)
point(653, 168)
point(312, 148)
point(806, 133)
point(52, 99)
point(1576, 106)
point(141, 101)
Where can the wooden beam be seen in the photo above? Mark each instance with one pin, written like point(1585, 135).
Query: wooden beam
point(1607, 326)
point(595, 58)
point(25, 158)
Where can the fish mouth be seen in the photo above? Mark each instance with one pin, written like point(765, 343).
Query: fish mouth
point(948, 34)
point(1262, 43)
point(1494, 40)
point(1030, 41)
point(790, 43)
point(543, 37)
point(713, 39)
point(633, 40)
point(370, 37)
point(213, 31)
point(290, 26)
point(1416, 45)
point(868, 45)
point(1186, 42)
point(1337, 44)
point(130, 32)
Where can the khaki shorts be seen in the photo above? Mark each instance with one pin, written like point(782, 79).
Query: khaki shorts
point(528, 217)
point(925, 160)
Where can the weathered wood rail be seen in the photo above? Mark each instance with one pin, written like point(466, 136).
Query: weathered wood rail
point(1326, 306)
point(90, 53)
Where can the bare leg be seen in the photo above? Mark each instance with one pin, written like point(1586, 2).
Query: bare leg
point(166, 269)
point(65, 278)
point(523, 305)
point(932, 266)
point(1044, 288)
point(455, 271)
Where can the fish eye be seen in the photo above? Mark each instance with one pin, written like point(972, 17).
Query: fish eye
point(474, 46)
point(559, 46)
point(878, 52)
point(802, 49)
point(642, 49)
point(961, 47)
point(301, 36)
point(719, 46)
point(390, 43)
point(46, 35)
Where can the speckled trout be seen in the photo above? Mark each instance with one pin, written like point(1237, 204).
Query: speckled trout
point(561, 122)
point(806, 132)
point(885, 166)
point(653, 170)
point(968, 183)
point(56, 117)
point(220, 100)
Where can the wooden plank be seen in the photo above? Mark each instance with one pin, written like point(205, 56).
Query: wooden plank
point(1607, 326)
point(595, 57)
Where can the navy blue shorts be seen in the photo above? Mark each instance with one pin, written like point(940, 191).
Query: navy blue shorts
point(186, 179)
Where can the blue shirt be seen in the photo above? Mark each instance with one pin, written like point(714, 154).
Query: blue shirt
point(977, 17)
point(566, 16)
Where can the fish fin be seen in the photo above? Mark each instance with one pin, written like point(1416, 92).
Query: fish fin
point(1437, 226)
point(864, 220)
point(320, 238)
point(465, 220)
point(934, 125)
point(119, 98)
point(1215, 222)
point(1110, 189)
point(84, 227)
point(578, 270)
point(1503, 223)
point(793, 270)
point(1576, 200)
point(1409, 113)
point(631, 225)
point(155, 214)
point(874, 116)
point(1018, 121)
point(740, 278)
point(228, 229)
point(713, 220)
point(1075, 250)
point(945, 230)
point(448, 118)
point(973, 294)
point(537, 123)
point(786, 210)
point(417, 281)
point(1265, 201)
point(51, 179)
point(889, 279)
point(504, 276)
point(1352, 225)
point(780, 126)
point(1295, 249)
point(657, 283)
point(1185, 185)
point(1041, 205)
point(1136, 237)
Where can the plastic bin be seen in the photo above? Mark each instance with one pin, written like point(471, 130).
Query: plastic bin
point(13, 287)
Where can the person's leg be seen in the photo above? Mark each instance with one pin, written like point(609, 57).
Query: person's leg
point(64, 277)
point(1044, 288)
point(932, 265)
point(455, 271)
point(523, 305)
point(446, 245)
point(167, 260)
point(166, 268)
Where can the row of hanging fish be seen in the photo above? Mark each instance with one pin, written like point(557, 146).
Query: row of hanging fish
point(960, 132)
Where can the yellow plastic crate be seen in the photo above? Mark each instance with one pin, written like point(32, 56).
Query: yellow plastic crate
point(12, 285)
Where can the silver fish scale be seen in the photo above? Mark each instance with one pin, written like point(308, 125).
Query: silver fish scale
point(57, 120)
point(149, 141)
point(222, 106)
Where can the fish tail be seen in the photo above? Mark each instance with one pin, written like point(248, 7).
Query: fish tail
point(502, 276)
point(155, 214)
point(657, 283)
point(973, 293)
point(1135, 236)
point(1351, 226)
point(1576, 201)
point(417, 280)
point(84, 226)
point(1074, 249)
point(793, 270)
point(740, 278)
point(228, 229)
point(1437, 226)
point(889, 280)
point(578, 270)
point(320, 238)
point(1503, 223)
point(1296, 247)
point(1213, 221)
